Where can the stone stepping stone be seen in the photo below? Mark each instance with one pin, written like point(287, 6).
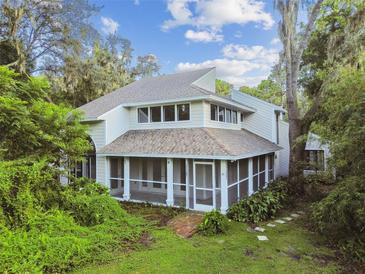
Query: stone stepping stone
point(288, 218)
point(259, 229)
point(280, 221)
point(294, 215)
point(300, 212)
point(271, 225)
point(262, 238)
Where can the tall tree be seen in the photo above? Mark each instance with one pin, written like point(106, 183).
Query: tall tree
point(222, 87)
point(294, 43)
point(147, 66)
point(267, 90)
point(38, 33)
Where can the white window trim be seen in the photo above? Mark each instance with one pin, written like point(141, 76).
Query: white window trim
point(162, 113)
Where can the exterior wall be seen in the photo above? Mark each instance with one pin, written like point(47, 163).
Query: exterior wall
point(196, 119)
point(97, 133)
point(117, 123)
point(216, 124)
point(101, 171)
point(282, 163)
point(262, 122)
point(207, 81)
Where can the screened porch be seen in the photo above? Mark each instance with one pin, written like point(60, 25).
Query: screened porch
point(197, 184)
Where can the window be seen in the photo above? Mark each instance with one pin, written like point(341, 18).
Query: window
point(156, 114)
point(169, 113)
point(315, 159)
point(183, 112)
point(234, 117)
point(143, 115)
point(242, 117)
point(221, 114)
point(228, 115)
point(213, 112)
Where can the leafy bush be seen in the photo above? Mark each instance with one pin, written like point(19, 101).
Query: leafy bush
point(50, 228)
point(260, 206)
point(213, 223)
point(340, 217)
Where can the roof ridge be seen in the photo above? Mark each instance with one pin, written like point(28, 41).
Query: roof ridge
point(222, 146)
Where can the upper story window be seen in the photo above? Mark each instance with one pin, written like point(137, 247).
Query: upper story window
point(166, 113)
point(183, 112)
point(156, 114)
point(222, 114)
point(143, 115)
point(213, 112)
point(169, 113)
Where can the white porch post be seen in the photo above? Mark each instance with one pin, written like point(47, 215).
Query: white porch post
point(170, 182)
point(250, 177)
point(224, 186)
point(187, 183)
point(127, 192)
point(266, 170)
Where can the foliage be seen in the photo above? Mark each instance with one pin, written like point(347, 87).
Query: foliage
point(260, 206)
point(222, 87)
point(213, 223)
point(85, 78)
point(268, 90)
point(342, 121)
point(47, 227)
point(147, 66)
point(36, 34)
point(32, 127)
point(340, 217)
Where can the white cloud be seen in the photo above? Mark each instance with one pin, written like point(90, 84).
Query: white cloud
point(203, 36)
point(232, 71)
point(109, 26)
point(214, 14)
point(240, 64)
point(275, 41)
point(258, 54)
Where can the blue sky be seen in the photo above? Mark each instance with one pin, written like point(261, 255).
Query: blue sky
point(239, 37)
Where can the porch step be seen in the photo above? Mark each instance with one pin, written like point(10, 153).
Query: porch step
point(186, 224)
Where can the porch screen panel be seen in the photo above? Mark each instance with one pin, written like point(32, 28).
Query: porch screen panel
point(243, 178)
point(271, 167)
point(255, 173)
point(116, 174)
point(179, 182)
point(262, 171)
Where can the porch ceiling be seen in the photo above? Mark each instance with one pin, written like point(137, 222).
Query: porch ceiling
point(189, 143)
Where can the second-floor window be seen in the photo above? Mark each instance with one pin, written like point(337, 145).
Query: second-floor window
point(166, 113)
point(222, 114)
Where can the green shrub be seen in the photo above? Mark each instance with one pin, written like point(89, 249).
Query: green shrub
point(260, 206)
point(90, 209)
point(45, 227)
point(213, 223)
point(340, 217)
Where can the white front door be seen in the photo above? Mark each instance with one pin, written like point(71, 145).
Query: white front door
point(204, 190)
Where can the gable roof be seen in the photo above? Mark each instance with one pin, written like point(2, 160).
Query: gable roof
point(165, 87)
point(189, 143)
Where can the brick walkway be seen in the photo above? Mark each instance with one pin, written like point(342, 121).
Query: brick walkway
point(185, 225)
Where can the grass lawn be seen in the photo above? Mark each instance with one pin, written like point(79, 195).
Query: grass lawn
point(290, 249)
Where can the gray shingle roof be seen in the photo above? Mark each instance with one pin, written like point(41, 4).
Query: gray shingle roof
point(199, 142)
point(174, 86)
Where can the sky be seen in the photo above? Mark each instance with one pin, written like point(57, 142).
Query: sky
point(238, 37)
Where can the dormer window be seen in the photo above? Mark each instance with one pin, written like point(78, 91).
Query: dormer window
point(183, 112)
point(169, 113)
point(143, 115)
point(156, 114)
point(222, 114)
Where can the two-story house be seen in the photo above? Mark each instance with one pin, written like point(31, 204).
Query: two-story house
point(172, 140)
